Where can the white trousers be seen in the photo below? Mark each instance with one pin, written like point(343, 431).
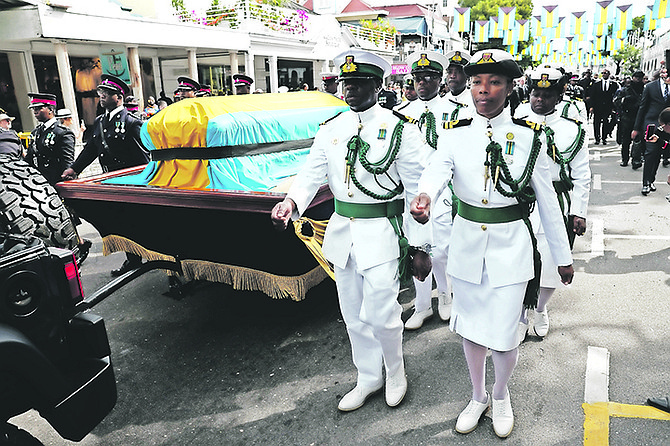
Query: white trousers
point(370, 309)
point(441, 228)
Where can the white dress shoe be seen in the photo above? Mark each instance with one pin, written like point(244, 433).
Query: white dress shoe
point(541, 323)
point(522, 330)
point(396, 387)
point(356, 397)
point(444, 302)
point(468, 419)
point(416, 319)
point(503, 417)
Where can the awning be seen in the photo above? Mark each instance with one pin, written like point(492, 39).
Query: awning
point(410, 25)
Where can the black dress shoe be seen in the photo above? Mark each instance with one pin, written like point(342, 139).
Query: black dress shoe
point(623, 164)
point(597, 141)
point(662, 403)
point(84, 248)
point(645, 189)
point(127, 266)
point(637, 166)
point(604, 142)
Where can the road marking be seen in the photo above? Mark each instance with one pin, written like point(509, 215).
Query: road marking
point(598, 409)
point(619, 182)
point(597, 237)
point(637, 237)
point(595, 156)
point(597, 181)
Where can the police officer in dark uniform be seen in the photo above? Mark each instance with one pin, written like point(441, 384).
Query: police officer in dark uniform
point(188, 88)
point(52, 147)
point(115, 141)
point(242, 83)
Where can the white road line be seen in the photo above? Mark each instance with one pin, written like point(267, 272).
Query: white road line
point(597, 181)
point(597, 237)
point(595, 156)
point(596, 385)
point(620, 182)
point(637, 237)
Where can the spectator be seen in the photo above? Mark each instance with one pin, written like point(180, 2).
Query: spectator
point(627, 103)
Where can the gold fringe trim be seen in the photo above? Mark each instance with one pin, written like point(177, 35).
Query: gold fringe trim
point(240, 278)
point(314, 242)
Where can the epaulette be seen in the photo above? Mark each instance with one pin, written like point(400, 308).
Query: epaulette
point(525, 101)
point(524, 118)
point(526, 123)
point(404, 105)
point(576, 121)
point(330, 119)
point(578, 99)
point(404, 118)
point(458, 103)
point(458, 123)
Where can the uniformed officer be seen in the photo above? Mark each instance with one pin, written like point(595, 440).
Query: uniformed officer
point(204, 92)
point(362, 238)
point(115, 141)
point(242, 83)
point(52, 148)
point(188, 88)
point(132, 105)
point(431, 112)
point(491, 263)
point(329, 83)
point(10, 144)
point(408, 91)
point(457, 80)
point(571, 177)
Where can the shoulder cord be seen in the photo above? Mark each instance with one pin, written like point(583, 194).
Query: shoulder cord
point(428, 118)
point(454, 114)
point(358, 149)
point(525, 195)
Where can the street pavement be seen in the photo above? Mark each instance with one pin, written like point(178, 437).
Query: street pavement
point(223, 367)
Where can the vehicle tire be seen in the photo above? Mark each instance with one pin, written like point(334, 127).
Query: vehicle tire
point(29, 205)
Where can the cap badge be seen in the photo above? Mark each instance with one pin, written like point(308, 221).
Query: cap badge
point(423, 61)
point(349, 65)
point(486, 58)
point(544, 81)
point(456, 57)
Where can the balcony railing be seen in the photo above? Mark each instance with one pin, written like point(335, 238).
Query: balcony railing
point(371, 38)
point(249, 15)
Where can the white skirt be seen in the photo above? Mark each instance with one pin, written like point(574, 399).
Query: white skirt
point(487, 316)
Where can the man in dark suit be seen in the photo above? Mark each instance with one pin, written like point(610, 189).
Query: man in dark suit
point(115, 141)
point(655, 97)
point(586, 82)
point(601, 97)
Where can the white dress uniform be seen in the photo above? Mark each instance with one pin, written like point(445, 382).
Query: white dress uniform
point(364, 251)
point(566, 131)
point(445, 110)
point(490, 264)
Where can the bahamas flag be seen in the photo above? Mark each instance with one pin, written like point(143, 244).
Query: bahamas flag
point(661, 9)
point(623, 18)
point(549, 16)
point(506, 17)
point(649, 21)
point(523, 25)
point(462, 19)
point(536, 26)
point(578, 23)
point(600, 29)
point(604, 12)
point(481, 31)
point(510, 37)
point(561, 28)
point(571, 44)
point(494, 31)
point(193, 142)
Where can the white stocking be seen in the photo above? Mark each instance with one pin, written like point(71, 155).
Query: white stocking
point(545, 294)
point(475, 356)
point(503, 364)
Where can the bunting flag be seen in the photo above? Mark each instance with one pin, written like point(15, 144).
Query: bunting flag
point(571, 44)
point(510, 37)
point(494, 31)
point(536, 26)
point(621, 34)
point(462, 19)
point(523, 26)
point(623, 18)
point(649, 21)
point(577, 23)
point(603, 13)
point(600, 29)
point(560, 28)
point(506, 17)
point(616, 44)
point(481, 31)
point(661, 10)
point(549, 16)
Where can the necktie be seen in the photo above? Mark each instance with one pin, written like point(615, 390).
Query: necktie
point(665, 91)
point(604, 85)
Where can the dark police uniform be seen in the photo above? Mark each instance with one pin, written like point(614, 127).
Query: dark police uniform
point(52, 150)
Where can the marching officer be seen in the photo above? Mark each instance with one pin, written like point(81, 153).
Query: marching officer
point(364, 239)
point(52, 150)
point(329, 84)
point(497, 178)
point(115, 141)
point(242, 83)
point(571, 176)
point(188, 88)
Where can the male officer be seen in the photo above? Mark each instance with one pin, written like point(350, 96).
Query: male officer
point(329, 83)
point(242, 83)
point(432, 112)
point(571, 177)
point(115, 141)
point(409, 93)
point(204, 92)
point(362, 239)
point(52, 150)
point(188, 88)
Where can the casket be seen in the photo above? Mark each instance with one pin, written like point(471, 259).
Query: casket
point(218, 166)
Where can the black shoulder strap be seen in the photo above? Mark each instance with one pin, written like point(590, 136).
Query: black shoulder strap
point(458, 123)
point(526, 123)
